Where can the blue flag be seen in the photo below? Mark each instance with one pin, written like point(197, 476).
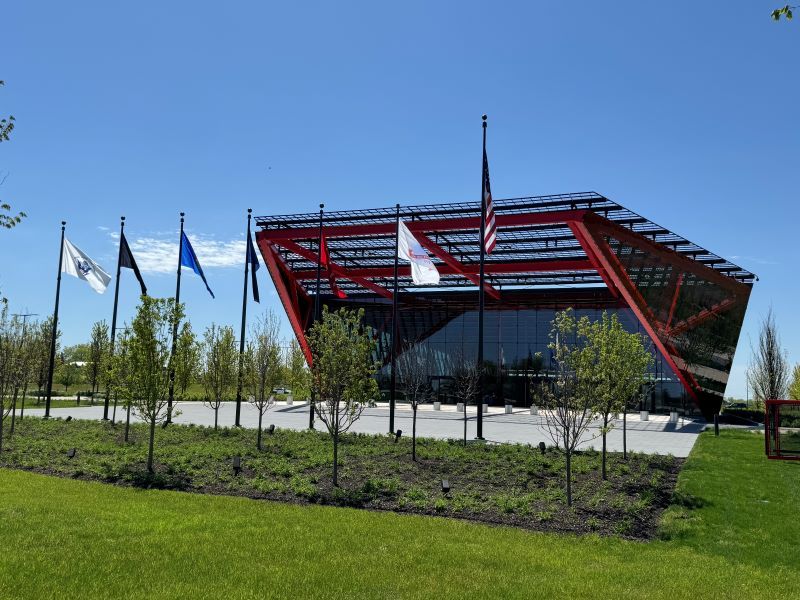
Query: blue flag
point(189, 259)
point(252, 258)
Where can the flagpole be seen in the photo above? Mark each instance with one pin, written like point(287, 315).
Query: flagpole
point(317, 304)
point(175, 329)
point(482, 241)
point(114, 313)
point(54, 334)
point(393, 346)
point(244, 321)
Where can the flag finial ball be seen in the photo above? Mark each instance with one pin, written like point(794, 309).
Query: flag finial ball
point(183, 214)
point(249, 211)
point(484, 117)
point(122, 218)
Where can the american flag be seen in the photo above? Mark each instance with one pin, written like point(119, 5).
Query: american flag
point(490, 228)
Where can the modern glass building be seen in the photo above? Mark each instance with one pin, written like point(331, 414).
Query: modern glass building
point(570, 250)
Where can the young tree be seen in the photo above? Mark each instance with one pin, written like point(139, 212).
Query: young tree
point(297, 375)
point(342, 350)
point(220, 359)
point(120, 376)
point(22, 368)
point(186, 360)
point(98, 348)
point(8, 360)
point(147, 362)
point(415, 369)
point(466, 383)
point(43, 333)
point(68, 372)
point(768, 373)
point(794, 387)
point(567, 400)
point(262, 365)
point(614, 363)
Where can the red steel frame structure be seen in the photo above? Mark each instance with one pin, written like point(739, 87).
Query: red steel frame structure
point(675, 288)
point(772, 430)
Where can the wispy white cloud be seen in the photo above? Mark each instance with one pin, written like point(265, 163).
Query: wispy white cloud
point(158, 252)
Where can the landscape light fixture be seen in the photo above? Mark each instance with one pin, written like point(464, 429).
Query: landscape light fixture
point(68, 419)
point(445, 486)
point(71, 453)
point(542, 447)
point(397, 435)
point(237, 464)
point(271, 429)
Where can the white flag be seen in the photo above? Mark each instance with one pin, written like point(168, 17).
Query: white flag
point(423, 271)
point(77, 264)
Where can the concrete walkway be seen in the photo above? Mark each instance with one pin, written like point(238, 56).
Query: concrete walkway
point(656, 436)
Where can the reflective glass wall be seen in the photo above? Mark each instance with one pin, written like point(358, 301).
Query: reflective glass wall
point(516, 339)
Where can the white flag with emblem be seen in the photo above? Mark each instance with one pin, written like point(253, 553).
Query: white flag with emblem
point(423, 271)
point(77, 264)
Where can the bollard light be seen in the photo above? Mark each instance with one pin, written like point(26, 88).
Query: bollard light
point(71, 453)
point(237, 464)
point(445, 486)
point(271, 429)
point(542, 447)
point(397, 435)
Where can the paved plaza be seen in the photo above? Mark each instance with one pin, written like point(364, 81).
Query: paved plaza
point(657, 435)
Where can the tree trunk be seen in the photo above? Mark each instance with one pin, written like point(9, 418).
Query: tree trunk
point(114, 411)
point(152, 440)
point(603, 460)
point(128, 422)
point(13, 412)
point(465, 423)
point(336, 446)
point(605, 426)
point(216, 416)
point(260, 418)
point(625, 434)
point(569, 478)
point(1, 424)
point(22, 408)
point(336, 456)
point(414, 435)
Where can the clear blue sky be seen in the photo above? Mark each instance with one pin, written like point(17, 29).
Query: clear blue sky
point(683, 111)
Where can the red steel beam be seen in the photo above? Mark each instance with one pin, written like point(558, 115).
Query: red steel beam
point(578, 229)
point(608, 260)
point(271, 259)
point(337, 270)
point(468, 269)
point(676, 259)
point(422, 226)
point(457, 267)
point(678, 285)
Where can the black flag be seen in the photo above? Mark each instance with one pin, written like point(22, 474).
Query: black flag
point(252, 258)
point(126, 260)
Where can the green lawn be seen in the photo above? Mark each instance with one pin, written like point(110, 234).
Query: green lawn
point(495, 483)
point(71, 539)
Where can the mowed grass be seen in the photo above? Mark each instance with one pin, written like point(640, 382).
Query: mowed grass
point(736, 535)
point(496, 483)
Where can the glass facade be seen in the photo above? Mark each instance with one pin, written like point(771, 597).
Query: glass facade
point(695, 312)
point(516, 329)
